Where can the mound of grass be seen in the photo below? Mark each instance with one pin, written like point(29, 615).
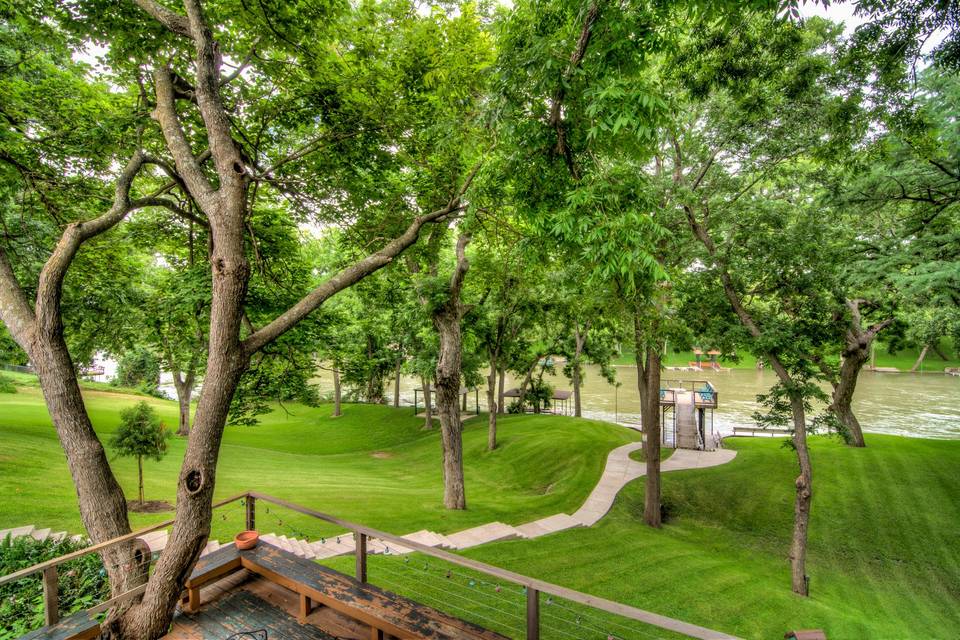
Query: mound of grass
point(884, 551)
point(374, 465)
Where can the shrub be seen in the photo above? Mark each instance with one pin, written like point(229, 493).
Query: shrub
point(82, 583)
point(6, 385)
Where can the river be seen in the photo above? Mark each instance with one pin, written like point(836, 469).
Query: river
point(910, 404)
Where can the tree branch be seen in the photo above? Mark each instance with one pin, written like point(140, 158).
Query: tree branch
point(353, 274)
point(170, 19)
point(55, 269)
point(188, 166)
point(15, 310)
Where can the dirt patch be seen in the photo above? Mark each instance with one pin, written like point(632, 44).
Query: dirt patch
point(149, 506)
point(381, 455)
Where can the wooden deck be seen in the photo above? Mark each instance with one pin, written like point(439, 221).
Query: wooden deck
point(241, 610)
point(328, 603)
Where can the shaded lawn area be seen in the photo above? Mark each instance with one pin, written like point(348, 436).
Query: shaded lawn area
point(374, 465)
point(884, 552)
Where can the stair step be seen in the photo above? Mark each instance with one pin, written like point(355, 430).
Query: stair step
point(492, 532)
point(550, 524)
point(17, 532)
point(59, 536)
point(430, 538)
point(156, 540)
point(40, 534)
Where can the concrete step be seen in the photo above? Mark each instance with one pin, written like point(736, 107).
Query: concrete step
point(40, 534)
point(548, 525)
point(212, 545)
point(491, 532)
point(156, 540)
point(59, 536)
point(16, 532)
point(430, 538)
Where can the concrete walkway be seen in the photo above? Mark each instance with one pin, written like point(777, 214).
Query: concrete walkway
point(620, 470)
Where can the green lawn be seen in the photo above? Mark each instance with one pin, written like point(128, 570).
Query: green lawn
point(374, 465)
point(902, 360)
point(884, 543)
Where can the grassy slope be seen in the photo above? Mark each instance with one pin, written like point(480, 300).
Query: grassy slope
point(884, 544)
point(374, 465)
point(902, 360)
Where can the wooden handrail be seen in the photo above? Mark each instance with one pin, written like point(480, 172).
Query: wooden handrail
point(617, 608)
point(533, 585)
point(23, 573)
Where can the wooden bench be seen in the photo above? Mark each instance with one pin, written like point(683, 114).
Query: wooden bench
point(210, 568)
point(738, 431)
point(79, 626)
point(383, 611)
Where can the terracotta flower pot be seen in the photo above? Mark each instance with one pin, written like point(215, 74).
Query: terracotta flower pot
point(246, 540)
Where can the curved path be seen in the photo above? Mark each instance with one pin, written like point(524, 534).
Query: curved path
point(619, 470)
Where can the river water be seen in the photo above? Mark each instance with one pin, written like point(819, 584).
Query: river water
point(922, 405)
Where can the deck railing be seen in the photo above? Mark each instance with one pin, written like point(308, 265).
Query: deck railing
point(532, 587)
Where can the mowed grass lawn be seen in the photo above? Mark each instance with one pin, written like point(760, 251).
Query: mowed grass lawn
point(374, 465)
point(884, 552)
point(884, 548)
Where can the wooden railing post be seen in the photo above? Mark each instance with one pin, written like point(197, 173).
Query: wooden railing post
point(361, 540)
point(51, 604)
point(533, 614)
point(251, 513)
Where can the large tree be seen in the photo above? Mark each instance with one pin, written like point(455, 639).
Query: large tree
point(214, 157)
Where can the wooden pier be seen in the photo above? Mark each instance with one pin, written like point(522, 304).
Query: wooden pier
point(686, 414)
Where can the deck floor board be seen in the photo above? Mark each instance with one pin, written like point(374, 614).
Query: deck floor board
point(242, 611)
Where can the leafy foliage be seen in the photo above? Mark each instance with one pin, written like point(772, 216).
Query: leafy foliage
point(82, 583)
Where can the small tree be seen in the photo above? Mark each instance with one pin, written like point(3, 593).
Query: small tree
point(141, 434)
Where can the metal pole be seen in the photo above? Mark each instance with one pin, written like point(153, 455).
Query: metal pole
point(361, 539)
point(51, 606)
point(533, 614)
point(251, 513)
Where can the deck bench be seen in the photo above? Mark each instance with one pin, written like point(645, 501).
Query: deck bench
point(79, 626)
point(210, 568)
point(384, 612)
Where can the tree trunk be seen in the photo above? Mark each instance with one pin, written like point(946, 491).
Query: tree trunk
point(648, 384)
point(940, 354)
point(923, 354)
point(801, 506)
point(492, 405)
point(522, 399)
point(103, 506)
point(843, 395)
point(804, 482)
point(446, 320)
point(500, 390)
point(184, 388)
point(578, 340)
point(448, 408)
point(140, 477)
point(396, 384)
point(428, 404)
point(337, 394)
